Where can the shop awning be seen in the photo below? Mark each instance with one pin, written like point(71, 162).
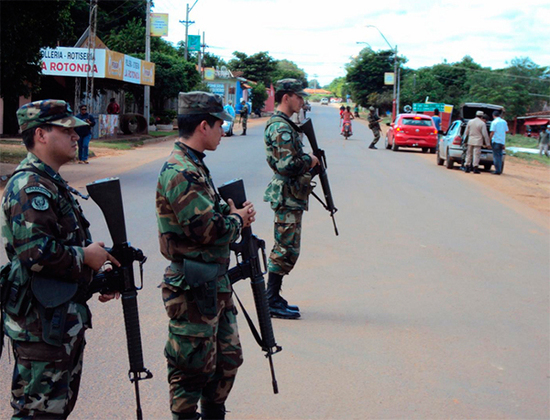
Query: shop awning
point(537, 121)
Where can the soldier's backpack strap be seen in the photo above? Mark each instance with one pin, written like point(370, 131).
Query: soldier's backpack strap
point(284, 118)
point(63, 185)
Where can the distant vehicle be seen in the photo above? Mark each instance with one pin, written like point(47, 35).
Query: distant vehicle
point(412, 130)
point(449, 148)
point(228, 128)
point(324, 101)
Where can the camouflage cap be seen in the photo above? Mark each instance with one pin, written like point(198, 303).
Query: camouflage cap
point(290, 85)
point(193, 103)
point(47, 111)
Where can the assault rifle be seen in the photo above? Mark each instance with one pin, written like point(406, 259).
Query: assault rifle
point(307, 128)
point(106, 193)
point(248, 265)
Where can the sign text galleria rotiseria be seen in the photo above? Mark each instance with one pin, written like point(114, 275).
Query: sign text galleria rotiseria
point(77, 62)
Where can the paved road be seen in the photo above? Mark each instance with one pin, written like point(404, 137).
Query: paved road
point(433, 302)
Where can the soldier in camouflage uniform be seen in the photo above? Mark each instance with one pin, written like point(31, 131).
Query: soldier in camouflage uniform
point(287, 192)
point(374, 124)
point(244, 116)
point(195, 230)
point(52, 260)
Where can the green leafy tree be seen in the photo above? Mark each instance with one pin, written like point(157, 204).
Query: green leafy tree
point(259, 67)
point(259, 96)
point(286, 69)
point(20, 48)
point(365, 76)
point(172, 76)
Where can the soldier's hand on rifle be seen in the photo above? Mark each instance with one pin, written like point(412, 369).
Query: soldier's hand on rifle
point(314, 160)
point(247, 213)
point(108, 296)
point(95, 256)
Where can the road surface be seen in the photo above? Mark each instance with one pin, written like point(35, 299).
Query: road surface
point(433, 302)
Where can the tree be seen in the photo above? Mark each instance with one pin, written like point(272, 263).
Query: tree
point(172, 75)
point(286, 69)
point(365, 75)
point(259, 67)
point(259, 96)
point(20, 47)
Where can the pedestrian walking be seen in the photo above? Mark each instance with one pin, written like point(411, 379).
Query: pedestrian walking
point(203, 350)
point(544, 140)
point(374, 124)
point(52, 260)
point(288, 191)
point(84, 133)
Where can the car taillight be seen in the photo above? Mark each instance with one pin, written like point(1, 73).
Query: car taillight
point(457, 140)
point(435, 131)
point(397, 128)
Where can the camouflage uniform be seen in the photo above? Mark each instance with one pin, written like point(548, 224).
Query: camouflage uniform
point(203, 351)
point(244, 117)
point(288, 190)
point(373, 120)
point(44, 231)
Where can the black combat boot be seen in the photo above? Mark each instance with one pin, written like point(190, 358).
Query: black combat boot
point(372, 146)
point(279, 307)
point(476, 170)
point(185, 416)
point(468, 169)
point(244, 132)
point(212, 411)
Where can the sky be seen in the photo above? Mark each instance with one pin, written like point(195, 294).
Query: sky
point(321, 37)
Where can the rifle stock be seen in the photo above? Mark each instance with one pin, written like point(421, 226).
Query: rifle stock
point(107, 194)
point(249, 266)
point(328, 204)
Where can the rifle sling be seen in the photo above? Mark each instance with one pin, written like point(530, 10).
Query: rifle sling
point(251, 325)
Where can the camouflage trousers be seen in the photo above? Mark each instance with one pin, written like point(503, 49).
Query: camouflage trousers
point(287, 235)
point(46, 378)
point(376, 133)
point(244, 123)
point(203, 352)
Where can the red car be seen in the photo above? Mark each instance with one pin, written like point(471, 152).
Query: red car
point(412, 130)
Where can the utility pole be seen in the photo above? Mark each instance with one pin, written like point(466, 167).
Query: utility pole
point(147, 90)
point(186, 22)
point(92, 29)
point(201, 56)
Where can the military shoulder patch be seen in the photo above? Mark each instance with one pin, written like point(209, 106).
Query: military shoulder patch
point(40, 203)
point(39, 190)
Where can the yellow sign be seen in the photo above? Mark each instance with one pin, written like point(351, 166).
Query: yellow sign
point(159, 24)
point(114, 65)
point(147, 73)
point(389, 78)
point(209, 73)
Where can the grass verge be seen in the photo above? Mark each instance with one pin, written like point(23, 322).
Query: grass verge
point(517, 140)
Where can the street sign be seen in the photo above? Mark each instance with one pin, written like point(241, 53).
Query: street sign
point(389, 78)
point(194, 43)
point(159, 24)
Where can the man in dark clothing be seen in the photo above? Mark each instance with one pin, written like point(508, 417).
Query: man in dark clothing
point(84, 133)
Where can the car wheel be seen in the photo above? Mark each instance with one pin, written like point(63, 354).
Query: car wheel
point(450, 161)
point(424, 149)
point(502, 166)
point(387, 143)
point(487, 166)
point(438, 159)
point(432, 150)
point(394, 146)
